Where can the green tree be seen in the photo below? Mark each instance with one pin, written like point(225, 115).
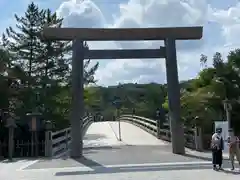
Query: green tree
point(41, 67)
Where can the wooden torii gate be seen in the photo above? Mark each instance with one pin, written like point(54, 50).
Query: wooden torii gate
point(79, 35)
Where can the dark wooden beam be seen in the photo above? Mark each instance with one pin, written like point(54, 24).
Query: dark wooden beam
point(122, 34)
point(125, 54)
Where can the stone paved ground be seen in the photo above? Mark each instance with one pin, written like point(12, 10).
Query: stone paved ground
point(143, 172)
point(207, 154)
point(119, 155)
point(139, 156)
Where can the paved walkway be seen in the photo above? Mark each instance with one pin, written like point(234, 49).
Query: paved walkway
point(140, 172)
point(100, 134)
point(207, 154)
point(138, 156)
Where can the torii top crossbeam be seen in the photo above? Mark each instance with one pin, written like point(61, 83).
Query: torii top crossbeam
point(122, 34)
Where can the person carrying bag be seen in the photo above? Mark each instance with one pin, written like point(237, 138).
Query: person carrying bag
point(217, 146)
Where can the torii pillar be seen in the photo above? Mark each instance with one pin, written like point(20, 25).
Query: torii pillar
point(77, 113)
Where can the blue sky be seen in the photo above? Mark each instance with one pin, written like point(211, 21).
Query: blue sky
point(9, 8)
point(220, 19)
point(223, 4)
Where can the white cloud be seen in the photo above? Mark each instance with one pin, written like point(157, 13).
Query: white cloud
point(131, 70)
point(230, 22)
point(78, 13)
point(149, 13)
point(159, 13)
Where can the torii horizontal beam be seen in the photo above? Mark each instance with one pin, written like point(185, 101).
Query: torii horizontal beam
point(125, 53)
point(122, 34)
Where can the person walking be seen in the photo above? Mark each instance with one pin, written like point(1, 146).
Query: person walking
point(233, 142)
point(217, 146)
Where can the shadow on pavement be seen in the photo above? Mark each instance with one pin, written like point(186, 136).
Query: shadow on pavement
point(111, 170)
point(14, 160)
point(93, 136)
point(101, 148)
point(88, 162)
point(201, 157)
point(89, 150)
point(230, 172)
point(197, 157)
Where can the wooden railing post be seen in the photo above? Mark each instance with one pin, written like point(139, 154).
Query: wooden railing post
point(1, 150)
point(48, 143)
point(198, 138)
point(67, 137)
point(48, 139)
point(10, 125)
point(158, 128)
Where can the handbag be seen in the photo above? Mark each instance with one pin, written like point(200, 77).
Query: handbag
point(214, 146)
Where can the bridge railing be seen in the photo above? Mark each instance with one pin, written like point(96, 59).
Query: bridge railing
point(192, 136)
point(58, 142)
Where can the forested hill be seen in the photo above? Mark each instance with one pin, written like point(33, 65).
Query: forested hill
point(144, 98)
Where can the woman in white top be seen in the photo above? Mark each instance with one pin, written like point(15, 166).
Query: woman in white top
point(217, 146)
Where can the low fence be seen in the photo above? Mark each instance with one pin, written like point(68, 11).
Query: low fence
point(192, 135)
point(23, 148)
point(57, 143)
point(23, 143)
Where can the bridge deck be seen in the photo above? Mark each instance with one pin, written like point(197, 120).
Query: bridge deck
point(133, 135)
point(102, 134)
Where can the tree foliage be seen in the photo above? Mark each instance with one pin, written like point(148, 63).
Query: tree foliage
point(209, 90)
point(36, 75)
